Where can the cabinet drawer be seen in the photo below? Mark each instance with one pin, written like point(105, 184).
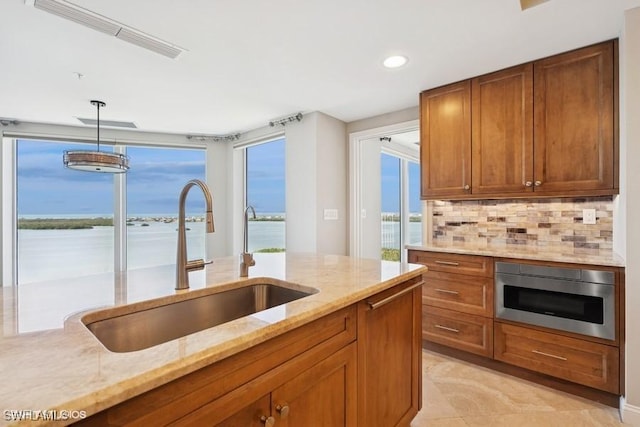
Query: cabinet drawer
point(454, 263)
point(583, 362)
point(468, 294)
point(459, 330)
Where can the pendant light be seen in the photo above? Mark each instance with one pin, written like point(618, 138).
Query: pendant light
point(96, 161)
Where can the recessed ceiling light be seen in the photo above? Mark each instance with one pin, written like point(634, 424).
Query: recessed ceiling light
point(395, 61)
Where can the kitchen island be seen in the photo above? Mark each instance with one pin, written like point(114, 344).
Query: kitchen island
point(50, 360)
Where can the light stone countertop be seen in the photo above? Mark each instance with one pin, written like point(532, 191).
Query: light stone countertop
point(593, 257)
point(50, 360)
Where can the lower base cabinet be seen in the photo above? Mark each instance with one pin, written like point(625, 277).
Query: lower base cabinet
point(317, 396)
point(459, 330)
point(359, 366)
point(579, 361)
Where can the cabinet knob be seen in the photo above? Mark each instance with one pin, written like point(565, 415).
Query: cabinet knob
point(466, 187)
point(528, 184)
point(538, 183)
point(283, 410)
point(268, 421)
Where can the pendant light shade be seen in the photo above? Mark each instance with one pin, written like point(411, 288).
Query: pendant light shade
point(96, 161)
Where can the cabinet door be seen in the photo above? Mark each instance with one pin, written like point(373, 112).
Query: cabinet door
point(390, 356)
point(574, 121)
point(445, 147)
point(502, 131)
point(324, 395)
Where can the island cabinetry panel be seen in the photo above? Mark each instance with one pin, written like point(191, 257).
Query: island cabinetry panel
point(583, 362)
point(544, 128)
point(457, 300)
point(390, 356)
point(236, 388)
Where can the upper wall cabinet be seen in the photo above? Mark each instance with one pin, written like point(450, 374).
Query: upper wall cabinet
point(445, 147)
point(546, 128)
point(574, 121)
point(502, 138)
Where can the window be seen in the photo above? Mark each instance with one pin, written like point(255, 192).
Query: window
point(154, 182)
point(65, 218)
point(390, 209)
point(401, 207)
point(265, 191)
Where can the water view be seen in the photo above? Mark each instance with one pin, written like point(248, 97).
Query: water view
point(79, 248)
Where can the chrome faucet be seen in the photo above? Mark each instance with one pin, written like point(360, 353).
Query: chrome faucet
point(246, 258)
point(183, 267)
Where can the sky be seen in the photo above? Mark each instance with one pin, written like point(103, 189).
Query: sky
point(156, 177)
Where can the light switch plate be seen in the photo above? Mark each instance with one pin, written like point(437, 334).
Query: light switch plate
point(331, 214)
point(588, 216)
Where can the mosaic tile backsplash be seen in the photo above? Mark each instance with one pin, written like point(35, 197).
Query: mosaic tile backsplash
point(540, 222)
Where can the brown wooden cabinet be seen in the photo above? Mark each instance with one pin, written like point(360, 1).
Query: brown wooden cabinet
point(457, 300)
point(502, 132)
point(574, 121)
point(545, 128)
point(576, 360)
point(390, 357)
point(289, 370)
point(445, 141)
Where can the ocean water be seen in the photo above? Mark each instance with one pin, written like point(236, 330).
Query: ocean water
point(56, 254)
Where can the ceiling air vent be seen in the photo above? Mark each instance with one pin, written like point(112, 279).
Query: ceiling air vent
point(80, 15)
point(148, 42)
point(108, 123)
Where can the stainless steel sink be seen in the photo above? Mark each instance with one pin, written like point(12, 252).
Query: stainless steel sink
point(146, 327)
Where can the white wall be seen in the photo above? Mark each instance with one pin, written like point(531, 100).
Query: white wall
point(331, 184)
point(630, 179)
point(316, 179)
point(392, 118)
point(370, 198)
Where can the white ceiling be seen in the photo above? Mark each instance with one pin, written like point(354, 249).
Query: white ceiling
point(250, 61)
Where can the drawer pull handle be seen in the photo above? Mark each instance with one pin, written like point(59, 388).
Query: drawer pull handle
point(374, 305)
point(447, 329)
point(447, 291)
point(548, 355)
point(455, 264)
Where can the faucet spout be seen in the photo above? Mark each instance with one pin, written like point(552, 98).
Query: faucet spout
point(183, 267)
point(246, 258)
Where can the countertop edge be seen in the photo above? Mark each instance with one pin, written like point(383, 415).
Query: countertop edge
point(610, 259)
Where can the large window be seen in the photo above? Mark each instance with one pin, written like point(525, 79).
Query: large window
point(65, 218)
point(265, 191)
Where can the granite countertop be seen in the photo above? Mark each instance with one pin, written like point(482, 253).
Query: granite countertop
point(594, 257)
point(50, 360)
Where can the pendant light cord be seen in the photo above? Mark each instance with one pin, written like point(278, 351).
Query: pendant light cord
point(98, 122)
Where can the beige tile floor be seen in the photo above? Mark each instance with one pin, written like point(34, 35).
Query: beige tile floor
point(460, 394)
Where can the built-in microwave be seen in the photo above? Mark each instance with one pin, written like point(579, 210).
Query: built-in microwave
point(568, 299)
